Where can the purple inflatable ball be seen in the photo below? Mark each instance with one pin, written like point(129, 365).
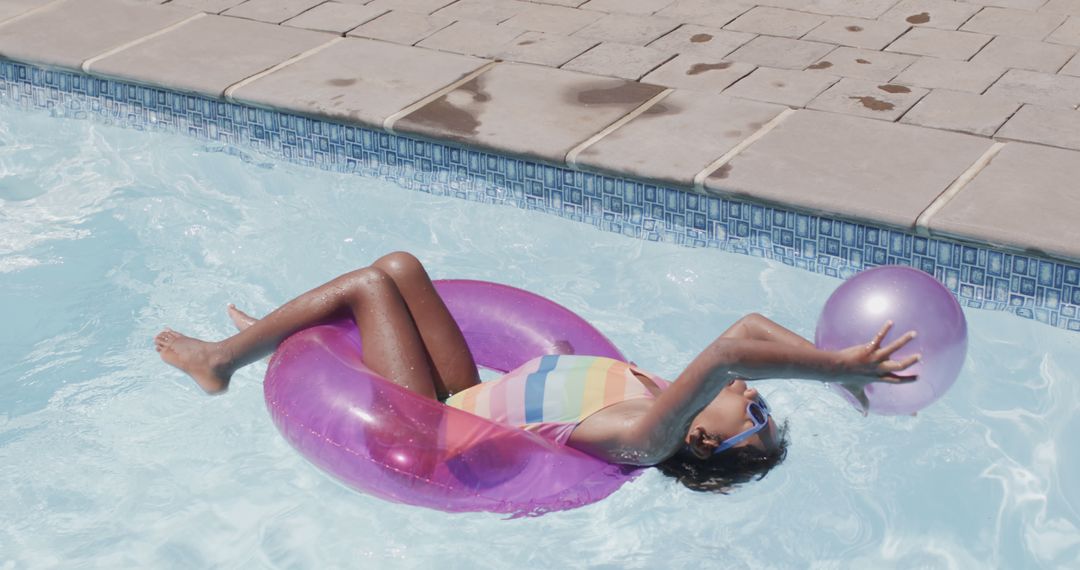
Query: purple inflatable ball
point(913, 300)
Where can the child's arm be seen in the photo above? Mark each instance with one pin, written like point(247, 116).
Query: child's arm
point(661, 431)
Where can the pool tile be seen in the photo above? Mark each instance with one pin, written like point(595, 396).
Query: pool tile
point(857, 32)
point(1055, 127)
point(692, 38)
point(862, 63)
point(69, 33)
point(627, 29)
point(935, 73)
point(776, 22)
point(1019, 53)
point(959, 111)
point(678, 137)
point(855, 167)
point(1016, 23)
point(271, 11)
point(618, 60)
point(941, 14)
point(177, 60)
point(552, 50)
point(401, 27)
point(358, 80)
point(940, 43)
point(11, 8)
point(335, 17)
point(482, 39)
point(783, 86)
point(871, 99)
point(700, 72)
point(784, 53)
point(1024, 198)
point(527, 110)
point(1046, 89)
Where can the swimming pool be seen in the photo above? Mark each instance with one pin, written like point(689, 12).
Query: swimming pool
point(110, 458)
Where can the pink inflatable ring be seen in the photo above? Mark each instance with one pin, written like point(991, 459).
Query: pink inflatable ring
point(387, 441)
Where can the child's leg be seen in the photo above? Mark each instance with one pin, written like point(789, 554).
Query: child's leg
point(452, 366)
point(392, 345)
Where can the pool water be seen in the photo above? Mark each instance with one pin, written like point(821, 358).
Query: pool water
point(110, 458)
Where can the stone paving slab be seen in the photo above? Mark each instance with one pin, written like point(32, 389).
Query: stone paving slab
point(701, 39)
point(1019, 53)
point(335, 17)
point(1056, 127)
point(482, 39)
point(551, 50)
point(705, 12)
point(940, 43)
point(1025, 198)
point(271, 11)
point(699, 72)
point(69, 33)
point(857, 32)
point(862, 63)
point(552, 19)
point(784, 53)
point(527, 110)
point(358, 80)
point(931, 72)
point(425, 7)
point(1067, 34)
point(1018, 23)
point(208, 6)
point(401, 27)
point(1072, 68)
point(11, 8)
point(1044, 89)
point(776, 22)
point(1071, 7)
point(940, 14)
point(641, 7)
point(237, 48)
point(677, 137)
point(871, 99)
point(783, 86)
point(959, 111)
point(618, 60)
point(850, 166)
point(627, 29)
point(489, 11)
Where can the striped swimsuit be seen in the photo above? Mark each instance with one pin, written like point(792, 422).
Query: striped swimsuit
point(551, 395)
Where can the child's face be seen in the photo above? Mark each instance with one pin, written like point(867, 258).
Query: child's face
point(726, 417)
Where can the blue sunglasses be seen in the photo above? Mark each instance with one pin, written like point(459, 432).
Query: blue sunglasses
point(758, 412)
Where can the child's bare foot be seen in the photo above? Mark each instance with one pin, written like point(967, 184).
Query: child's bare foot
point(198, 359)
point(239, 318)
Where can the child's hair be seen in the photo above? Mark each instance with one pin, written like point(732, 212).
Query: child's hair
point(723, 472)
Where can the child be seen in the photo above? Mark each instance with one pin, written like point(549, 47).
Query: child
point(709, 429)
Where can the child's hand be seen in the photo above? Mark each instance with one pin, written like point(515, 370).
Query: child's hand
point(866, 363)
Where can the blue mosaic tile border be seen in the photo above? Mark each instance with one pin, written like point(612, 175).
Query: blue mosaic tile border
point(1030, 287)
